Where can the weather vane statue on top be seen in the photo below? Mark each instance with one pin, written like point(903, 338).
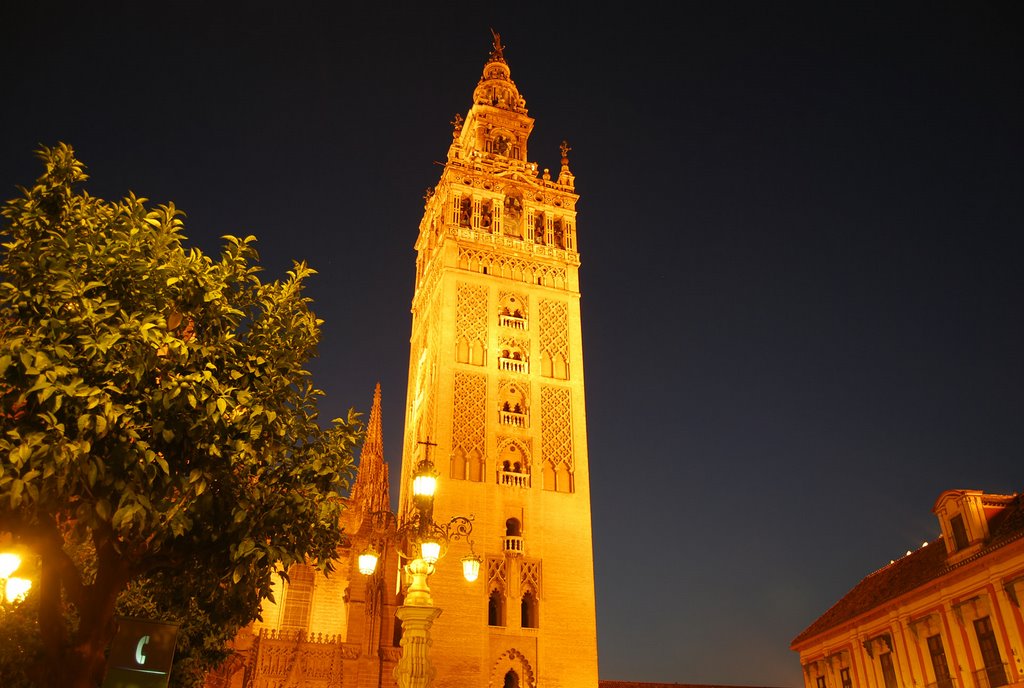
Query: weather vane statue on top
point(498, 53)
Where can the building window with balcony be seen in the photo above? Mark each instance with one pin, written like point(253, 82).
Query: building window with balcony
point(513, 361)
point(512, 404)
point(513, 537)
point(515, 320)
point(512, 414)
point(514, 466)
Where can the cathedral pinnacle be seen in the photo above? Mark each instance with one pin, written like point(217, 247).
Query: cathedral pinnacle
point(371, 489)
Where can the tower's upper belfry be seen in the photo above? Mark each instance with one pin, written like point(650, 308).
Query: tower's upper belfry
point(496, 88)
point(497, 128)
point(498, 206)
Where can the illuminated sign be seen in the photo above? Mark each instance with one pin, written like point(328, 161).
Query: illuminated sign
point(141, 654)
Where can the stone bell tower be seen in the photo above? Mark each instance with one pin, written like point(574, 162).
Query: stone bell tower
point(496, 387)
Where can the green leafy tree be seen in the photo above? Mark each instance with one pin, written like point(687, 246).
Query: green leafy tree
point(155, 407)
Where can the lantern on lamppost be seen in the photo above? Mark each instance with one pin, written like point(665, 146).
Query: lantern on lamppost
point(422, 543)
point(12, 589)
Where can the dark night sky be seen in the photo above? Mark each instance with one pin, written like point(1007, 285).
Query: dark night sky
point(801, 235)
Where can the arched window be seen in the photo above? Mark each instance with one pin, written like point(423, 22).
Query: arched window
point(496, 608)
point(459, 464)
point(475, 464)
point(513, 527)
point(529, 610)
point(511, 679)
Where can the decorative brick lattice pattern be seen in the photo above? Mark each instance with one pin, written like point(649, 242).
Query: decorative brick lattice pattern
point(434, 337)
point(523, 270)
point(427, 288)
point(496, 577)
point(469, 416)
point(554, 328)
point(471, 312)
point(530, 576)
point(556, 426)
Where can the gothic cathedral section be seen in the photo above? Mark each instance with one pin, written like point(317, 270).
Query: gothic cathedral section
point(496, 388)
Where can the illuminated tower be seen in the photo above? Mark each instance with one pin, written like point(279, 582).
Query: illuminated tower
point(496, 385)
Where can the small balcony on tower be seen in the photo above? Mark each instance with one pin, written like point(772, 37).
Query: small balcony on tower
point(513, 475)
point(512, 413)
point(513, 537)
point(511, 361)
point(516, 322)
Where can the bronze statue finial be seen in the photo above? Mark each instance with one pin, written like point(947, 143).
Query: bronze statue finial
point(498, 53)
point(565, 150)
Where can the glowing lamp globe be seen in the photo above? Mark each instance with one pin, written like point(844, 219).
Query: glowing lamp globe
point(368, 561)
point(430, 551)
point(9, 563)
point(424, 480)
point(17, 588)
point(470, 568)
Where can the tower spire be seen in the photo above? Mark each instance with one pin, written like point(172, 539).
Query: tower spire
point(371, 491)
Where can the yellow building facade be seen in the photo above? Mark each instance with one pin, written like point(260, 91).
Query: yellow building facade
point(496, 402)
point(947, 615)
point(496, 397)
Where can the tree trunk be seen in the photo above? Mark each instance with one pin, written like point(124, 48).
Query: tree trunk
point(79, 661)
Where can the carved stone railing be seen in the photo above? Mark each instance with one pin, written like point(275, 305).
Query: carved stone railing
point(513, 321)
point(516, 420)
point(512, 365)
point(511, 479)
point(526, 246)
point(514, 544)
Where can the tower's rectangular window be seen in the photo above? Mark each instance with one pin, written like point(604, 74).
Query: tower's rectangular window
point(844, 677)
point(820, 682)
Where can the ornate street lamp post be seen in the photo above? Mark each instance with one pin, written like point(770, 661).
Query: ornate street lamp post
point(421, 542)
